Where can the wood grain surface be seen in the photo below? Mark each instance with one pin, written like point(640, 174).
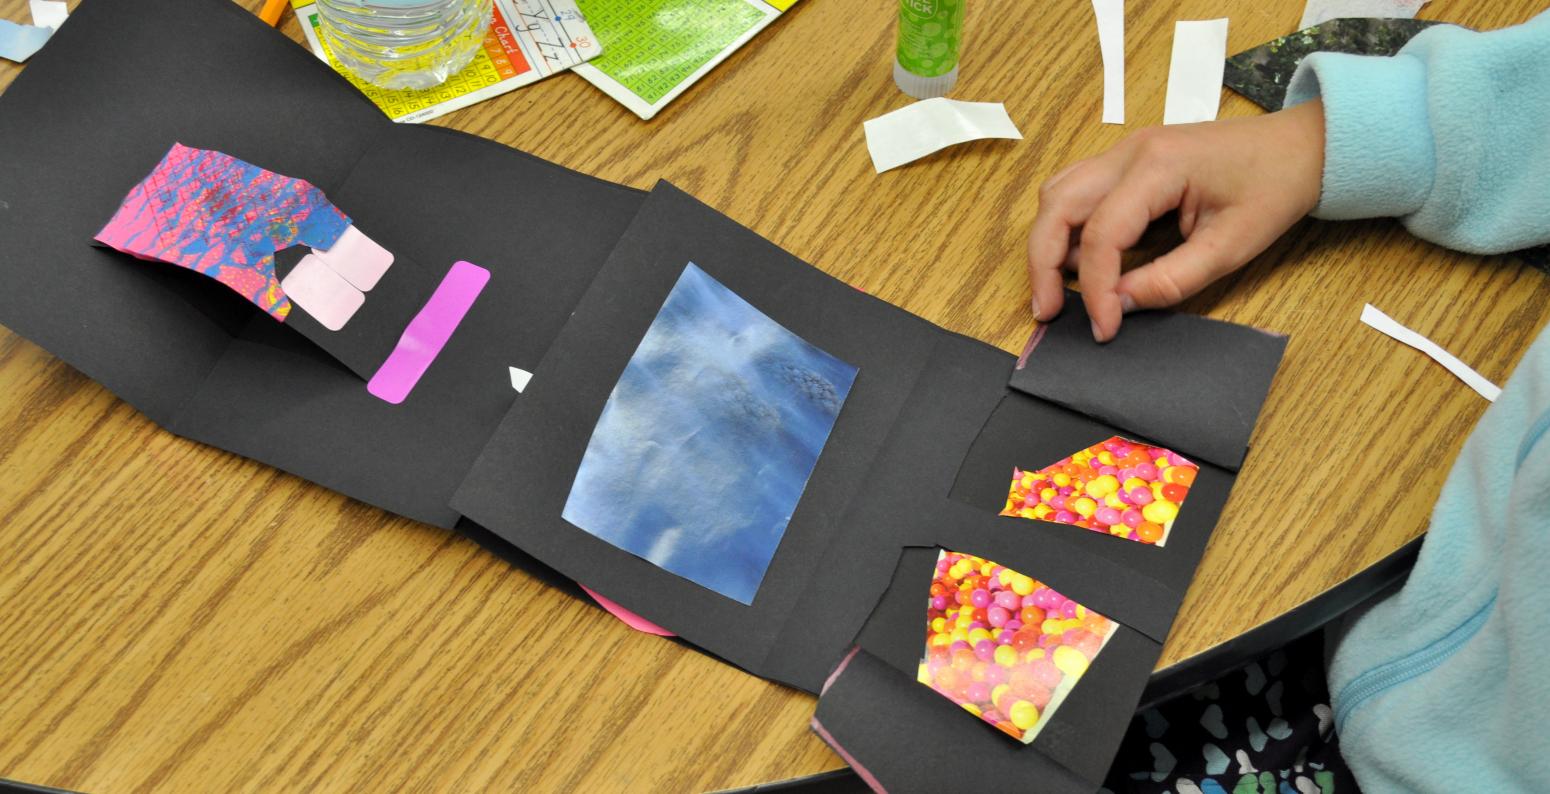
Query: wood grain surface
point(175, 618)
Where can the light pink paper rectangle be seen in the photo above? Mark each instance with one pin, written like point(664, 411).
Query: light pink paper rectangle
point(322, 293)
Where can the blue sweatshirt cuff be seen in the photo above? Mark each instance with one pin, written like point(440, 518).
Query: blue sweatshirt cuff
point(1375, 163)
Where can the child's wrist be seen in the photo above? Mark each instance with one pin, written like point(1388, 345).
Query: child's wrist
point(1302, 140)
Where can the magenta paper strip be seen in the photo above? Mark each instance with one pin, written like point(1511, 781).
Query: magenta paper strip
point(428, 332)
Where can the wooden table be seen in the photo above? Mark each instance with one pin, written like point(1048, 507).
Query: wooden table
point(176, 618)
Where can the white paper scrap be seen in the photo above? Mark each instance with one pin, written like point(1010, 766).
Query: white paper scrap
point(1387, 325)
point(519, 378)
point(1195, 73)
point(916, 130)
point(49, 13)
point(1317, 12)
point(1111, 45)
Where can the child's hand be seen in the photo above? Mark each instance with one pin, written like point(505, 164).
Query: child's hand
point(1237, 184)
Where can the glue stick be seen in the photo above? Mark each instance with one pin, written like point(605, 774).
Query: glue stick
point(930, 36)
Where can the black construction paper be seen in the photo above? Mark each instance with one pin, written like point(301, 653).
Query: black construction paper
point(1084, 731)
point(1191, 384)
point(97, 110)
point(520, 483)
point(910, 739)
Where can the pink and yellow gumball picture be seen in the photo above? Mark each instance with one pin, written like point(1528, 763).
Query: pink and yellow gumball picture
point(1004, 646)
point(1121, 487)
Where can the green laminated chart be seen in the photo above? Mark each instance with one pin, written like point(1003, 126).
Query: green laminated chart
point(654, 49)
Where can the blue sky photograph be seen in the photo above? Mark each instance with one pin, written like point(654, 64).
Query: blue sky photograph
point(707, 441)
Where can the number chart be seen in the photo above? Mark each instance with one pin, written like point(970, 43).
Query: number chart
point(655, 49)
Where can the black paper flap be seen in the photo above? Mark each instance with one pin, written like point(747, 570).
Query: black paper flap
point(907, 737)
point(1084, 731)
point(1190, 383)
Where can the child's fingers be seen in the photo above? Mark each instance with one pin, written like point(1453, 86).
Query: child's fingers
point(1144, 195)
point(1065, 201)
point(1048, 289)
point(1210, 253)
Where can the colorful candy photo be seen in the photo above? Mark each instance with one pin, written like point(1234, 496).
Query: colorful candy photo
point(1122, 487)
point(708, 438)
point(1004, 646)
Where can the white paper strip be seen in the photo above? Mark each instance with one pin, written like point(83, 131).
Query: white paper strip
point(1387, 325)
point(49, 13)
point(914, 131)
point(1111, 45)
point(1317, 12)
point(1195, 73)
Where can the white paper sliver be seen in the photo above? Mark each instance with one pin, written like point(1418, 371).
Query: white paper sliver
point(1111, 45)
point(1389, 326)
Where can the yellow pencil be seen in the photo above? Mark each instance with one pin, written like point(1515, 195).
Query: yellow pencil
point(272, 11)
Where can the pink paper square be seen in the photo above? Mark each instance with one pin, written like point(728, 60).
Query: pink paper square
point(358, 258)
point(322, 293)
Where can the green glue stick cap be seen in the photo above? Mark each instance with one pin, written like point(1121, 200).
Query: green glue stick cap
point(930, 40)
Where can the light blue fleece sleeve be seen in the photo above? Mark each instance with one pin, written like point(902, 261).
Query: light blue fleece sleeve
point(1451, 135)
point(1441, 687)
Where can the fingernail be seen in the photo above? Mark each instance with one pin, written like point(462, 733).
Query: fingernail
point(1097, 334)
point(1035, 305)
point(1127, 304)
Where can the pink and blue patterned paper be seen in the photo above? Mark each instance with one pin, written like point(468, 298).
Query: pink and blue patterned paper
point(214, 214)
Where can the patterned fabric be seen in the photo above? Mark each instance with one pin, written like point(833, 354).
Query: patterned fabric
point(217, 215)
point(1264, 729)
